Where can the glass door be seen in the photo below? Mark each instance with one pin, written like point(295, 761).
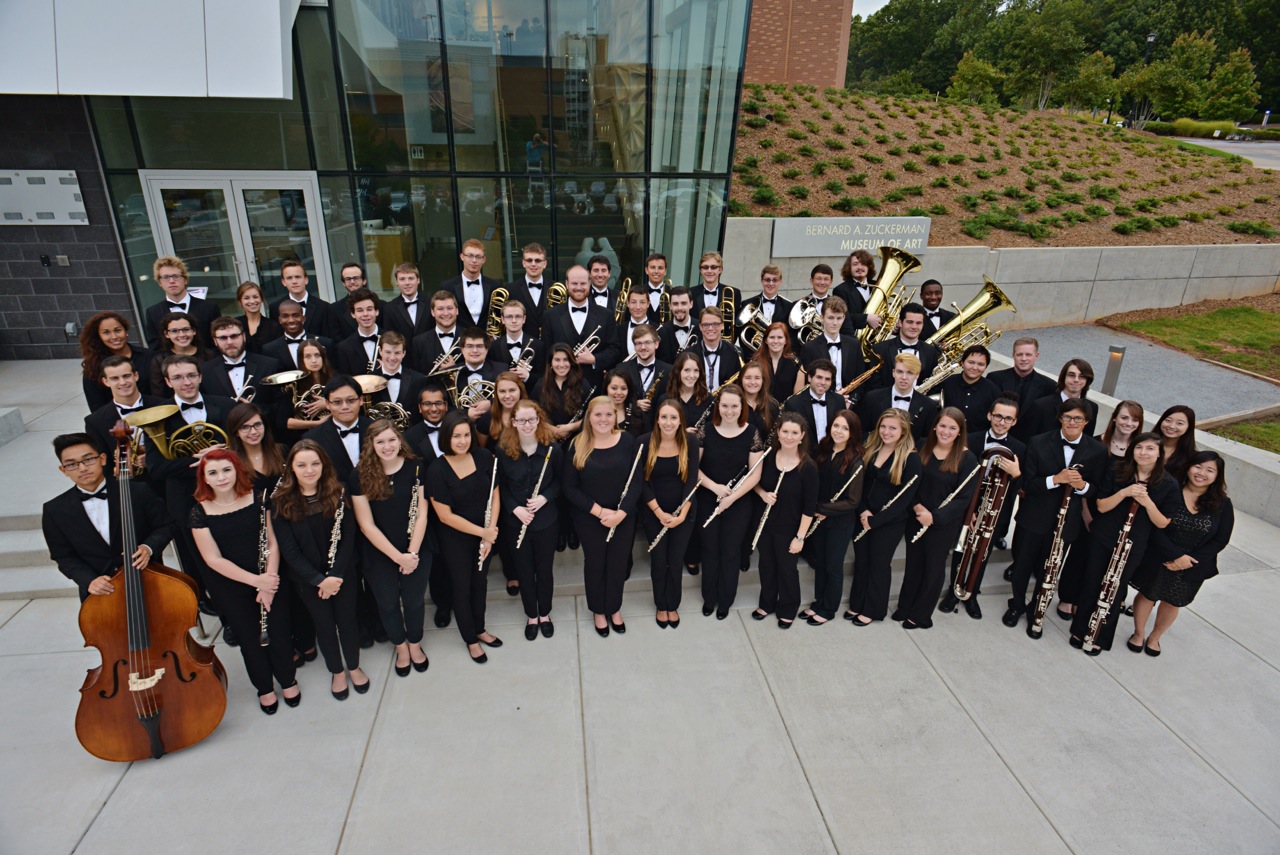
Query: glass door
point(230, 228)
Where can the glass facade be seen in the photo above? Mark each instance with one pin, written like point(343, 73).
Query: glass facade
point(588, 126)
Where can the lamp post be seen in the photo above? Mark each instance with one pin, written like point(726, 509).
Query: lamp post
point(1146, 57)
point(1108, 112)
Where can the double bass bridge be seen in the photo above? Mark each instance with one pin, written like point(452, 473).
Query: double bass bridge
point(141, 684)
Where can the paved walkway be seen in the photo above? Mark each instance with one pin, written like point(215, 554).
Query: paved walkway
point(1264, 155)
point(718, 737)
point(1155, 376)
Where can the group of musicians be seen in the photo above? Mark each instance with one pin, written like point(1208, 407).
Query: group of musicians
point(384, 452)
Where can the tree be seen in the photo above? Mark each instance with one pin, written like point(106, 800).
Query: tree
point(1092, 83)
point(1233, 89)
point(1184, 74)
point(1137, 84)
point(1045, 45)
point(974, 80)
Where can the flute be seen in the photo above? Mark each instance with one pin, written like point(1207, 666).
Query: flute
point(665, 529)
point(488, 514)
point(625, 488)
point(945, 501)
point(888, 504)
point(536, 487)
point(734, 483)
point(764, 518)
point(847, 484)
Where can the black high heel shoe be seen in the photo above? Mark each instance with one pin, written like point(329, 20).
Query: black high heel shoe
point(295, 700)
point(620, 627)
point(269, 709)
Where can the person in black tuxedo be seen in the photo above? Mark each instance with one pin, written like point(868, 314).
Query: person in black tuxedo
point(471, 289)
point(1074, 381)
point(284, 349)
point(118, 375)
point(407, 312)
point(859, 275)
point(507, 348)
point(1024, 381)
point(341, 435)
point(353, 278)
point(903, 396)
point(646, 371)
point(320, 317)
point(358, 353)
point(171, 275)
point(1048, 472)
point(233, 369)
point(673, 336)
point(476, 369)
point(720, 360)
point(934, 315)
point(908, 340)
point(575, 320)
point(531, 289)
point(817, 405)
point(82, 526)
point(842, 351)
point(1002, 417)
point(772, 305)
point(599, 274)
point(441, 339)
point(424, 438)
point(403, 383)
point(970, 392)
point(713, 293)
point(637, 316)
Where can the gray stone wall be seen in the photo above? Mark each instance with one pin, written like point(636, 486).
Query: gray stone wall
point(37, 302)
point(1049, 286)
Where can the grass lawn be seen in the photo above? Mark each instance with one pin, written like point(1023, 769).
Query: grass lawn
point(1241, 336)
point(1202, 149)
point(1262, 433)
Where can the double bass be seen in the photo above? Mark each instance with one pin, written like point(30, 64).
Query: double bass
point(157, 689)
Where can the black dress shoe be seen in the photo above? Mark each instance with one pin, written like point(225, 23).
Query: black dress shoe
point(1136, 648)
point(1077, 643)
point(692, 569)
point(269, 709)
point(206, 607)
point(404, 670)
point(971, 606)
point(1011, 616)
point(572, 541)
point(745, 567)
point(759, 614)
point(948, 604)
point(707, 610)
point(361, 688)
point(1094, 651)
point(898, 616)
point(443, 617)
point(721, 615)
point(1008, 573)
point(1032, 632)
point(420, 666)
point(814, 620)
point(561, 542)
point(1149, 650)
point(547, 628)
point(602, 631)
point(662, 624)
point(784, 624)
point(229, 637)
point(910, 624)
point(310, 655)
point(481, 659)
point(495, 644)
point(620, 627)
point(850, 616)
point(366, 641)
point(295, 700)
point(857, 622)
point(1001, 543)
point(530, 631)
point(513, 590)
point(340, 696)
point(673, 623)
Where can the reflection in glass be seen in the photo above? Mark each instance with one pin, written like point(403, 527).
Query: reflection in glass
point(135, 233)
point(504, 214)
point(599, 217)
point(279, 226)
point(222, 133)
point(324, 107)
point(339, 209)
point(113, 132)
point(406, 219)
point(201, 233)
point(686, 217)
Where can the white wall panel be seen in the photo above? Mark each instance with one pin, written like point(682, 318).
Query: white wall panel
point(131, 47)
point(28, 63)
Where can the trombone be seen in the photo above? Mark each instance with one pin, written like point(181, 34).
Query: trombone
point(498, 299)
point(620, 307)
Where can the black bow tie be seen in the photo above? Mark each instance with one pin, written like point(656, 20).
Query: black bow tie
point(907, 348)
point(476, 282)
point(231, 365)
point(198, 405)
point(1066, 443)
point(444, 335)
point(821, 400)
point(582, 309)
point(132, 409)
point(343, 433)
point(373, 337)
point(901, 398)
point(682, 329)
point(395, 376)
point(299, 340)
point(515, 345)
point(769, 300)
point(992, 440)
point(430, 428)
point(657, 290)
point(930, 314)
point(101, 494)
point(833, 345)
point(172, 306)
point(412, 302)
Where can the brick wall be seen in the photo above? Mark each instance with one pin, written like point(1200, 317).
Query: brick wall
point(799, 41)
point(36, 302)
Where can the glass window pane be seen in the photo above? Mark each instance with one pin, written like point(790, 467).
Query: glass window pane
point(279, 226)
point(201, 231)
point(406, 219)
point(135, 233)
point(504, 214)
point(323, 105)
point(113, 132)
point(698, 50)
point(602, 217)
point(394, 82)
point(599, 51)
point(687, 216)
point(339, 209)
point(498, 84)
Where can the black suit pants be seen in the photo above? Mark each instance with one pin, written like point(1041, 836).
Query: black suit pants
point(872, 570)
point(468, 582)
point(531, 564)
point(337, 633)
point(401, 597)
point(1096, 568)
point(826, 550)
point(239, 605)
point(1030, 551)
point(666, 562)
point(926, 571)
point(721, 548)
point(604, 564)
point(779, 574)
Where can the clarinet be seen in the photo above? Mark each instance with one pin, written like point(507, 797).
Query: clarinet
point(948, 499)
point(536, 488)
point(847, 484)
point(625, 488)
point(586, 399)
point(764, 518)
point(888, 504)
point(264, 550)
point(488, 513)
point(1052, 565)
point(1111, 579)
point(734, 483)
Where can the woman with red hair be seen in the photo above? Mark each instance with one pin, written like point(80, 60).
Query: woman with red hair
point(231, 526)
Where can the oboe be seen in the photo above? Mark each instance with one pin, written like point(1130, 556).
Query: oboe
point(413, 504)
point(764, 518)
point(264, 550)
point(847, 484)
point(948, 499)
point(625, 488)
point(536, 487)
point(889, 504)
point(488, 513)
point(734, 483)
point(665, 529)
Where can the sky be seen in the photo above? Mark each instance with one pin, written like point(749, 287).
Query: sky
point(867, 7)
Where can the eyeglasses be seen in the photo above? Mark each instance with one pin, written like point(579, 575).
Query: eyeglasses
point(352, 278)
point(434, 405)
point(171, 277)
point(73, 465)
point(999, 418)
point(708, 267)
point(1074, 420)
point(710, 325)
point(531, 420)
point(473, 256)
point(228, 337)
point(179, 331)
point(473, 345)
point(251, 426)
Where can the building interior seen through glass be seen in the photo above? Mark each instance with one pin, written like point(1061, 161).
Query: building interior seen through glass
point(588, 126)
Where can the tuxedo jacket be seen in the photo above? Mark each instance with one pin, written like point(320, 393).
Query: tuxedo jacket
point(500, 354)
point(557, 328)
point(661, 372)
point(723, 293)
point(411, 383)
point(1043, 414)
point(488, 371)
point(349, 357)
point(804, 405)
point(99, 423)
point(465, 319)
point(856, 318)
point(144, 362)
point(321, 318)
point(327, 436)
point(623, 331)
point(279, 350)
point(426, 348)
point(608, 300)
point(176, 475)
point(1038, 508)
point(79, 550)
point(934, 322)
point(851, 362)
point(1029, 389)
point(727, 365)
point(976, 441)
point(889, 349)
point(922, 410)
point(533, 309)
point(418, 439)
point(394, 315)
point(781, 311)
point(202, 313)
point(669, 342)
point(215, 381)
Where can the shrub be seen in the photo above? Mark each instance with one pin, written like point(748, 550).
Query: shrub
point(738, 208)
point(872, 158)
point(889, 175)
point(1068, 175)
point(819, 167)
point(806, 150)
point(912, 190)
point(799, 191)
point(1192, 128)
point(843, 162)
point(917, 212)
point(1147, 206)
point(1096, 211)
point(935, 159)
point(1248, 227)
point(755, 121)
point(1057, 200)
point(856, 179)
point(796, 134)
point(896, 151)
point(834, 144)
point(781, 157)
point(765, 196)
point(1122, 210)
point(911, 166)
point(938, 210)
point(940, 181)
point(1031, 206)
point(791, 174)
point(894, 196)
point(849, 203)
point(766, 143)
point(956, 159)
point(982, 173)
point(1168, 221)
point(1097, 191)
point(751, 106)
point(833, 186)
point(1013, 193)
point(1135, 224)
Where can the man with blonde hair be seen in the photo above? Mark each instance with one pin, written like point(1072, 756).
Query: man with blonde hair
point(901, 395)
point(472, 289)
point(170, 273)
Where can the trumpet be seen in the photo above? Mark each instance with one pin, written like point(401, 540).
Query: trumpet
point(525, 359)
point(588, 344)
point(449, 356)
point(247, 392)
point(376, 359)
point(620, 307)
point(754, 328)
point(498, 299)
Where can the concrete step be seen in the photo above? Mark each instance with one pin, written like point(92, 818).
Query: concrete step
point(35, 581)
point(20, 522)
point(22, 548)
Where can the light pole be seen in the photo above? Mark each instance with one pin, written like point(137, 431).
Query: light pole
point(1146, 57)
point(1108, 112)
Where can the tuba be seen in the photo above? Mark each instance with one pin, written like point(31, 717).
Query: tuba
point(498, 299)
point(620, 307)
point(888, 297)
point(754, 328)
point(965, 330)
point(186, 440)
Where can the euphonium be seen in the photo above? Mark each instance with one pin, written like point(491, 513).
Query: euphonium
point(887, 296)
point(620, 307)
point(498, 299)
point(965, 330)
point(754, 328)
point(806, 320)
point(556, 294)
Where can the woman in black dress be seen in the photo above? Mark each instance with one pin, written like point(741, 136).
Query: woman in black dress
point(730, 447)
point(889, 483)
point(783, 367)
point(603, 483)
point(1177, 430)
point(563, 396)
point(946, 463)
point(313, 359)
point(310, 510)
point(688, 387)
point(258, 328)
point(670, 473)
point(529, 460)
point(1185, 553)
point(630, 418)
point(790, 503)
point(178, 337)
point(1137, 483)
point(463, 492)
point(391, 509)
point(839, 460)
point(762, 414)
point(229, 523)
point(107, 334)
